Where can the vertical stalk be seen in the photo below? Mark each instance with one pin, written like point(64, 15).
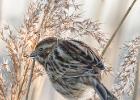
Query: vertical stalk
point(118, 27)
point(30, 79)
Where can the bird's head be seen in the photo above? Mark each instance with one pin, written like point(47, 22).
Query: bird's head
point(43, 49)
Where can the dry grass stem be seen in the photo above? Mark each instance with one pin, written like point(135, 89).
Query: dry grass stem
point(118, 27)
point(30, 79)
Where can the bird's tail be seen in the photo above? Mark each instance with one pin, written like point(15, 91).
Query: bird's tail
point(102, 91)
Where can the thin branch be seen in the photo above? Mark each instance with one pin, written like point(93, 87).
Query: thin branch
point(30, 79)
point(117, 29)
point(135, 94)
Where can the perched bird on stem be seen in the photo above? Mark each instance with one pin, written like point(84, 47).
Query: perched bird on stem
point(71, 66)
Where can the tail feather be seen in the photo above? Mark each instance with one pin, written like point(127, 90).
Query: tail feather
point(103, 92)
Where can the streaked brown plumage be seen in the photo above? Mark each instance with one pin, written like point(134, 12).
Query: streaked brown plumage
point(71, 66)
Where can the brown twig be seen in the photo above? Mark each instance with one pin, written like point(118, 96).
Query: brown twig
point(30, 79)
point(135, 94)
point(118, 27)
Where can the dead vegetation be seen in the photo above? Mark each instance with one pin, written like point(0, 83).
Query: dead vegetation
point(62, 19)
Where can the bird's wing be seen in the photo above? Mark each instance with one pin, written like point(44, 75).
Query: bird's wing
point(75, 58)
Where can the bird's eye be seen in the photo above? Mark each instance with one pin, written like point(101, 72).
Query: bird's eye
point(40, 49)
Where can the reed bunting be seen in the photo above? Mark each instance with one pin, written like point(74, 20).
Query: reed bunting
point(71, 66)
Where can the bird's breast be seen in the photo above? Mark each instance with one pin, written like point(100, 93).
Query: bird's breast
point(69, 88)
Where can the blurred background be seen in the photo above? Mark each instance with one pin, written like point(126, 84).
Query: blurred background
point(107, 12)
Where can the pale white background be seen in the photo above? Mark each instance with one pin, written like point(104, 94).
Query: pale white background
point(108, 12)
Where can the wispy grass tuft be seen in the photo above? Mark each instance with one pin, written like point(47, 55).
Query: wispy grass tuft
point(126, 76)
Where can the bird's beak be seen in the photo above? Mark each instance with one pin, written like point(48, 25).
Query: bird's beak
point(33, 54)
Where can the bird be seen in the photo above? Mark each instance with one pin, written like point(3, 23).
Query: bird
point(72, 66)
